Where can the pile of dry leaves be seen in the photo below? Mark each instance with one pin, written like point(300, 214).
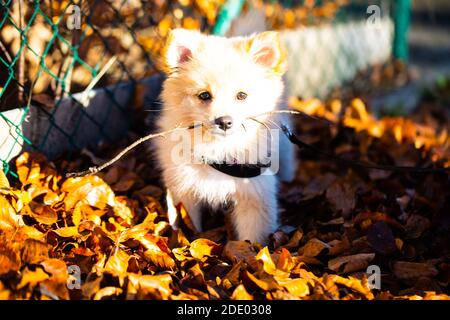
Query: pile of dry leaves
point(107, 236)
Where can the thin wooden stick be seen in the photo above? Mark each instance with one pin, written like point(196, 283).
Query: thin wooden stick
point(5, 52)
point(85, 94)
point(94, 170)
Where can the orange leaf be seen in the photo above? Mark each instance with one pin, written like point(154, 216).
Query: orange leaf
point(241, 294)
point(203, 247)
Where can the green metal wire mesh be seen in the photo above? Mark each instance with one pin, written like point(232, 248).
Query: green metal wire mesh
point(42, 59)
point(18, 19)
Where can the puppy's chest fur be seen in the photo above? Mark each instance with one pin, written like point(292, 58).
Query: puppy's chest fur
point(211, 186)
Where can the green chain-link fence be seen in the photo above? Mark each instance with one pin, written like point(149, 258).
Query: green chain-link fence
point(53, 53)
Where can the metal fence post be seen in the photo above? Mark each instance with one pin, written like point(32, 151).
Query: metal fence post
point(402, 13)
point(230, 10)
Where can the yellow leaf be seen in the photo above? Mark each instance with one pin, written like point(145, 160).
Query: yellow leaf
point(91, 190)
point(241, 294)
point(203, 247)
point(118, 262)
point(57, 268)
point(152, 284)
point(122, 210)
point(138, 231)
point(32, 233)
point(8, 217)
point(264, 256)
point(4, 183)
point(67, 232)
point(285, 261)
point(297, 287)
point(77, 215)
point(158, 252)
point(106, 292)
point(269, 265)
point(32, 277)
point(354, 284)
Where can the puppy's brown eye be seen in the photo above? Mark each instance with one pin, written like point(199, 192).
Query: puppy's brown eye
point(241, 95)
point(205, 96)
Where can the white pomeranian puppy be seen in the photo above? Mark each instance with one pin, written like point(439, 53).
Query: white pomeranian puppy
point(227, 87)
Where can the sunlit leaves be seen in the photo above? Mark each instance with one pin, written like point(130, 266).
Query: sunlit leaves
point(118, 235)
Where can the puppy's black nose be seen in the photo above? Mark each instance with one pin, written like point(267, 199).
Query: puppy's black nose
point(224, 123)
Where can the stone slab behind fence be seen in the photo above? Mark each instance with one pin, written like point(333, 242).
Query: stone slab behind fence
point(322, 58)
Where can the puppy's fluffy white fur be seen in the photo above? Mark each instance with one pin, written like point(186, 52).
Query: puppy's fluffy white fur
point(223, 67)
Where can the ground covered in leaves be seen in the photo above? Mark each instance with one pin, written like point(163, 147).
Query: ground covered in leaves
point(107, 236)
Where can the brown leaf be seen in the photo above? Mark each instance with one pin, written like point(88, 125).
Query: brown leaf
point(338, 246)
point(91, 286)
point(34, 251)
point(381, 238)
point(126, 182)
point(233, 276)
point(351, 263)
point(375, 217)
point(54, 290)
point(236, 251)
point(313, 248)
point(416, 225)
point(434, 296)
point(122, 209)
point(295, 240)
point(337, 221)
point(139, 231)
point(408, 270)
point(43, 213)
point(266, 284)
point(342, 196)
point(318, 185)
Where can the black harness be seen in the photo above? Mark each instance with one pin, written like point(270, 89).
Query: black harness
point(241, 170)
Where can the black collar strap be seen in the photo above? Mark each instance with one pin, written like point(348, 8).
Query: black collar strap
point(241, 170)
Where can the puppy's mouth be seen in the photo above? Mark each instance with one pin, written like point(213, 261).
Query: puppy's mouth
point(221, 133)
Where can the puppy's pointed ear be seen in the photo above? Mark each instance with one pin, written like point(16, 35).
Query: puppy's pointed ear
point(180, 47)
point(266, 50)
